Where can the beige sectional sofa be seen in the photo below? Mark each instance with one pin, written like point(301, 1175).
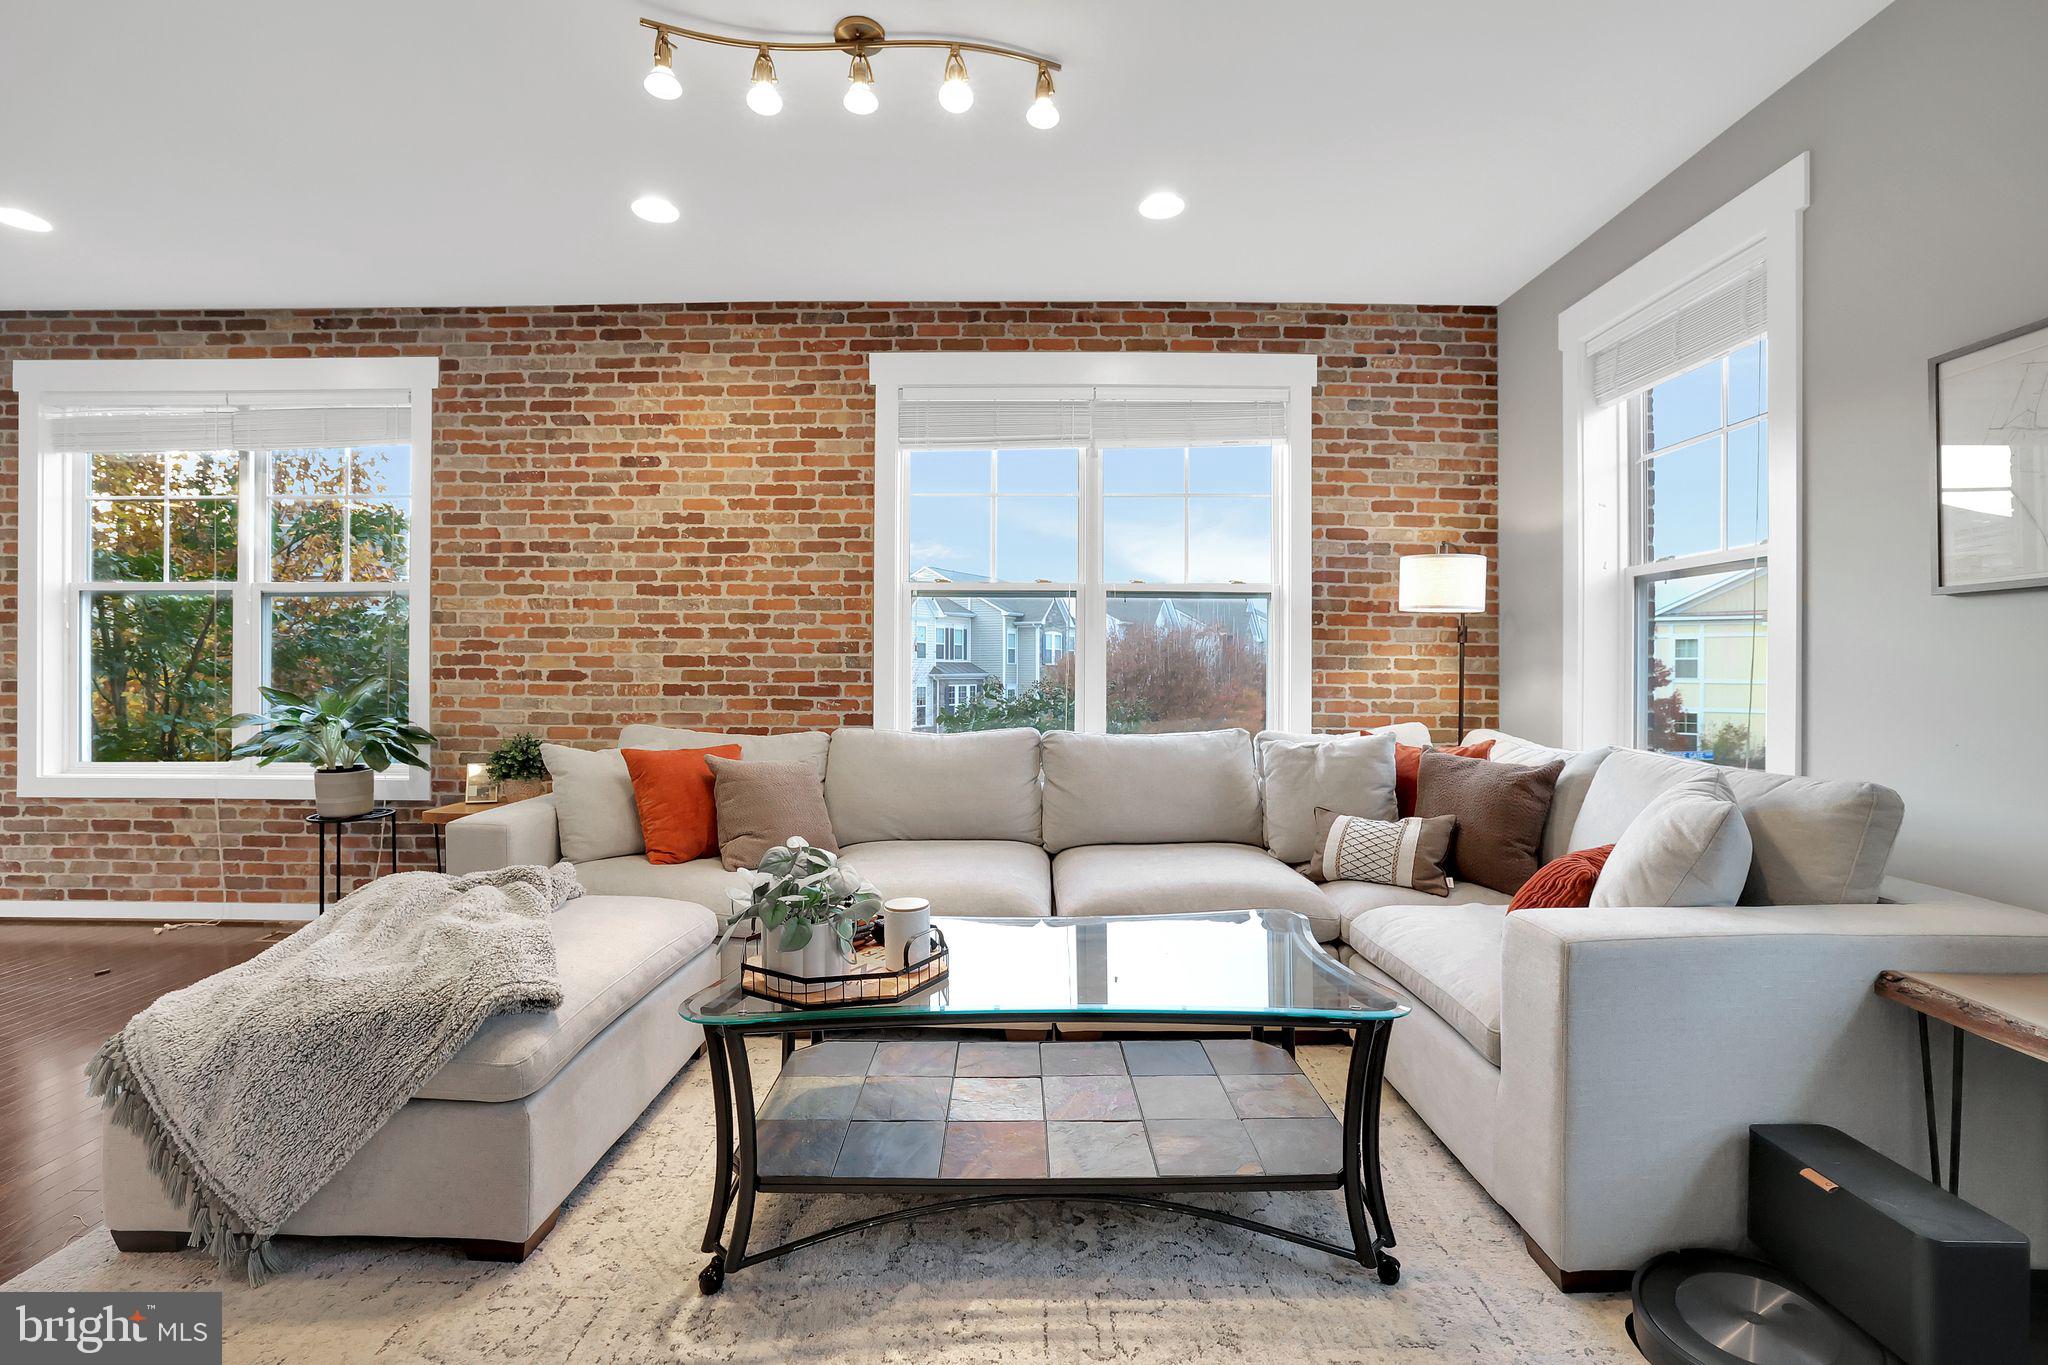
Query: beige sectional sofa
point(1595, 1069)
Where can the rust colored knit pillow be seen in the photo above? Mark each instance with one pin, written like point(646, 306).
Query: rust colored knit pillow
point(678, 811)
point(1408, 766)
point(1563, 881)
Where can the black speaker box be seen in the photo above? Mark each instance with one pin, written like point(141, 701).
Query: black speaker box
point(1937, 1281)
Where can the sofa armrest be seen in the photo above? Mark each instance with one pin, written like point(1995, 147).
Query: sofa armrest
point(1638, 1045)
point(510, 836)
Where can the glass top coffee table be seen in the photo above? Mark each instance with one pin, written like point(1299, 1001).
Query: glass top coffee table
point(923, 1110)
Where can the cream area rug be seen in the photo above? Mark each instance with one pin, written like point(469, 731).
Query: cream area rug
point(1016, 1285)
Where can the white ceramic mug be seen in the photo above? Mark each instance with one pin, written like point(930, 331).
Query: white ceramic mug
point(906, 931)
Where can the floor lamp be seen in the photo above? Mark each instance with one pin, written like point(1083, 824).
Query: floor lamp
point(1446, 583)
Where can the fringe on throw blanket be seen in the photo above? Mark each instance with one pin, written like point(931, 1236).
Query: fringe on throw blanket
point(214, 1230)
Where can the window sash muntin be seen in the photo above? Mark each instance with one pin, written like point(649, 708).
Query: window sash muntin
point(250, 644)
point(1088, 641)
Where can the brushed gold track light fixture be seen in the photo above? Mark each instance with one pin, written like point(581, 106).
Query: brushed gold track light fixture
point(856, 37)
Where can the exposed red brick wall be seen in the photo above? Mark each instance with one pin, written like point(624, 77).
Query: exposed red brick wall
point(664, 513)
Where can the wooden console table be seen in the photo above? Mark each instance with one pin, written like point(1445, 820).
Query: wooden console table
point(2009, 1009)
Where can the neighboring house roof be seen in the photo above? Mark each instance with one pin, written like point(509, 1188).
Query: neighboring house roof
point(1239, 616)
point(1035, 611)
point(1730, 594)
point(948, 606)
point(954, 670)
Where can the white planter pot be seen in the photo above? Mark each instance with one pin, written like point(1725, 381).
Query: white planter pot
point(818, 958)
point(347, 791)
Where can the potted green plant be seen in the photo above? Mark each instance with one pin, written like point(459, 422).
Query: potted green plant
point(518, 769)
point(808, 903)
point(346, 734)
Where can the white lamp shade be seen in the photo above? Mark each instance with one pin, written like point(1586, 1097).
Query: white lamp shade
point(1443, 584)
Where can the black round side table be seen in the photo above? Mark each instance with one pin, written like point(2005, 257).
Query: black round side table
point(388, 814)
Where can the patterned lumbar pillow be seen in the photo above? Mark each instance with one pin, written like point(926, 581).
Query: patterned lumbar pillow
point(1410, 852)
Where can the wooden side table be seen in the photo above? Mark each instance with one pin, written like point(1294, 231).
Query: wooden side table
point(440, 816)
point(2009, 1009)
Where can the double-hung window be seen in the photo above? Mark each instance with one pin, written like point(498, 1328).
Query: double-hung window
point(1143, 520)
point(1682, 487)
point(197, 530)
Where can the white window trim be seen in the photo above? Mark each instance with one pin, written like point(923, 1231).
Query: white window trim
point(1598, 672)
point(48, 763)
point(1290, 650)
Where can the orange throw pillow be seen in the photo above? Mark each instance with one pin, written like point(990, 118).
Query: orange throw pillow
point(1563, 881)
point(1408, 767)
point(678, 813)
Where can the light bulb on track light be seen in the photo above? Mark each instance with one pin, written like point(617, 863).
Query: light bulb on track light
point(860, 87)
point(1043, 113)
point(762, 96)
point(660, 80)
point(956, 96)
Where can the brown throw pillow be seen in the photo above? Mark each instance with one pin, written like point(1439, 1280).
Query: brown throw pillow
point(1500, 808)
point(761, 805)
point(1357, 848)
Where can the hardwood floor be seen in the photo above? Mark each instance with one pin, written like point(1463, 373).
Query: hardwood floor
point(64, 988)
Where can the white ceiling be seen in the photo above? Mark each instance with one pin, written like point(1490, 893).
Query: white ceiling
point(393, 152)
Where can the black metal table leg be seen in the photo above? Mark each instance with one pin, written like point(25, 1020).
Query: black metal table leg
point(721, 1104)
point(320, 870)
point(1927, 1088)
point(748, 1175)
point(392, 820)
point(339, 890)
point(440, 851)
point(1955, 1115)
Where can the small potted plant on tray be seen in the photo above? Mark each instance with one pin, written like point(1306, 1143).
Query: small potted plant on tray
point(808, 903)
point(518, 769)
point(347, 734)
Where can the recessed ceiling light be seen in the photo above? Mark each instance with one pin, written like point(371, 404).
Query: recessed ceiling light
point(656, 209)
point(1162, 204)
point(23, 219)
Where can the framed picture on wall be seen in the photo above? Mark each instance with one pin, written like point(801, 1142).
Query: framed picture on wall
point(1991, 463)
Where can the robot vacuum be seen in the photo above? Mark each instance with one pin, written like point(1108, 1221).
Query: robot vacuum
point(1712, 1308)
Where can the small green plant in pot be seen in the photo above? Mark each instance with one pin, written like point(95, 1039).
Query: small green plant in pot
point(347, 735)
point(808, 903)
point(517, 767)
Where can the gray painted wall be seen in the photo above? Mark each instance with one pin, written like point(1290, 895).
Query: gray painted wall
point(1928, 231)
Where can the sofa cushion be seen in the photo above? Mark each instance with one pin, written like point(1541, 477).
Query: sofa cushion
point(1410, 853)
point(1448, 956)
point(794, 746)
point(1299, 774)
point(611, 951)
point(703, 880)
point(1408, 769)
point(1689, 847)
point(1353, 899)
point(1500, 808)
point(1627, 781)
point(959, 876)
point(765, 805)
point(897, 784)
point(1814, 841)
point(1150, 789)
point(1169, 879)
point(672, 789)
point(1570, 793)
point(594, 809)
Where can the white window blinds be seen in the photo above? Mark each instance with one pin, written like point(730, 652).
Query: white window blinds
point(88, 424)
point(958, 419)
point(1719, 320)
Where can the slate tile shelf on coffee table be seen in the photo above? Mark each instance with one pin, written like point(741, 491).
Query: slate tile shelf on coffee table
point(927, 1112)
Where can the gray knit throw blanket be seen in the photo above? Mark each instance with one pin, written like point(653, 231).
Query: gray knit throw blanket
point(253, 1087)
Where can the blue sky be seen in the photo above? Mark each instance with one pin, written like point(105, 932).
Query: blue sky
point(1685, 479)
point(1152, 529)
